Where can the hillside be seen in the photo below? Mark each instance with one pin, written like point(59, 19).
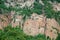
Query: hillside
point(32, 16)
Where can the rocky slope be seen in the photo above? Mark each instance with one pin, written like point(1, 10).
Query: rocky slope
point(33, 25)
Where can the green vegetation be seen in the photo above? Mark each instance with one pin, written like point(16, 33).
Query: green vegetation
point(37, 8)
point(58, 37)
point(3, 7)
point(55, 0)
point(9, 33)
point(52, 0)
point(50, 13)
point(57, 16)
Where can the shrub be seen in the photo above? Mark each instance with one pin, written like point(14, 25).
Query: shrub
point(58, 37)
point(9, 33)
point(37, 8)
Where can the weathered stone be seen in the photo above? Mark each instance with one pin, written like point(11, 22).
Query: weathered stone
point(56, 7)
point(31, 27)
point(51, 28)
point(35, 25)
point(3, 21)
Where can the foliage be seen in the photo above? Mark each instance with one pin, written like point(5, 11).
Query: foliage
point(48, 9)
point(52, 0)
point(55, 0)
point(37, 8)
point(49, 12)
point(3, 7)
point(58, 37)
point(9, 33)
point(57, 16)
point(26, 11)
point(37, 0)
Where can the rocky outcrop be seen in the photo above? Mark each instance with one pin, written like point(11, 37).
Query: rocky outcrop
point(56, 6)
point(34, 25)
point(37, 25)
point(52, 28)
point(19, 3)
point(4, 21)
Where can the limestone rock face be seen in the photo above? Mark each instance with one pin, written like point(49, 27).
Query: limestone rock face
point(31, 27)
point(56, 7)
point(34, 25)
point(52, 28)
point(4, 21)
point(20, 3)
point(52, 23)
point(0, 24)
point(37, 24)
